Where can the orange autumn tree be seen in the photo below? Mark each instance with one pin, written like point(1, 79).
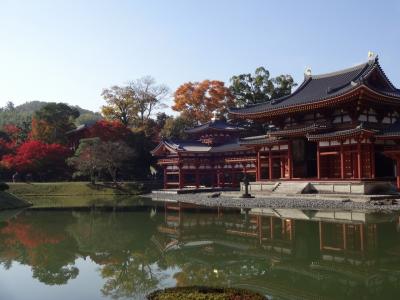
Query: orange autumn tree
point(198, 101)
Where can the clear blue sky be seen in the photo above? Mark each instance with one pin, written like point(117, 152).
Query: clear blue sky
point(70, 50)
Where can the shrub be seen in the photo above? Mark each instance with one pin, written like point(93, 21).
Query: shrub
point(3, 186)
point(204, 293)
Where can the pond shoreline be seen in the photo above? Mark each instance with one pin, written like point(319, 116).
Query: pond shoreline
point(233, 200)
point(74, 196)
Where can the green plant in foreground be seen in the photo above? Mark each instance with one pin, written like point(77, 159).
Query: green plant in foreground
point(4, 186)
point(204, 293)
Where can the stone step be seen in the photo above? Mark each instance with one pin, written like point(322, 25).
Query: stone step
point(290, 187)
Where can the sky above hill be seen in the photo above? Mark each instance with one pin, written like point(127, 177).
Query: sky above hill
point(70, 50)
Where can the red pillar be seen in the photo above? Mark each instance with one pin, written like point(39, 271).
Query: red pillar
point(341, 161)
point(283, 167)
point(270, 163)
point(398, 173)
point(258, 170)
point(321, 236)
point(290, 160)
point(372, 160)
point(362, 237)
point(165, 177)
point(318, 162)
point(359, 168)
point(181, 179)
point(344, 232)
point(197, 177)
point(271, 228)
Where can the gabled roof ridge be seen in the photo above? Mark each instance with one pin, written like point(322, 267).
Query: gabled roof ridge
point(362, 68)
point(254, 137)
point(378, 66)
point(296, 91)
point(213, 124)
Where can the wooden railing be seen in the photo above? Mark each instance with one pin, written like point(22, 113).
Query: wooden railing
point(167, 161)
point(240, 159)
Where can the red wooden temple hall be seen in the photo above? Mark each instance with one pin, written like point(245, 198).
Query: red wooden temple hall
point(212, 156)
point(341, 126)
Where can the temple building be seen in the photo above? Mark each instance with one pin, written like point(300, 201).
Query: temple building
point(340, 126)
point(212, 156)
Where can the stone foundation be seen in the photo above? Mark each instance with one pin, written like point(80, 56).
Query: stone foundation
point(322, 187)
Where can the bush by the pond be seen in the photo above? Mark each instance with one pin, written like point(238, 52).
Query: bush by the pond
point(4, 186)
point(204, 293)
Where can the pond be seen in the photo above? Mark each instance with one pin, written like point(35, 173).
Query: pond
point(282, 253)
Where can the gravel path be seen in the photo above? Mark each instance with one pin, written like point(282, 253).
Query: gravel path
point(274, 202)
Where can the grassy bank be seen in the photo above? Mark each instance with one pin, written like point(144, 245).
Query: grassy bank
point(78, 194)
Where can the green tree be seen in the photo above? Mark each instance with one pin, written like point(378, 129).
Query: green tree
point(9, 106)
point(94, 155)
point(259, 87)
point(148, 96)
point(88, 119)
point(133, 104)
point(112, 156)
point(52, 121)
point(120, 104)
point(86, 159)
point(174, 128)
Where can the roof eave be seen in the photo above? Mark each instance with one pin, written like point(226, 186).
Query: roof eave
point(318, 104)
point(321, 137)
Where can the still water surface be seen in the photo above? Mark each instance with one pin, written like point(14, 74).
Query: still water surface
point(286, 254)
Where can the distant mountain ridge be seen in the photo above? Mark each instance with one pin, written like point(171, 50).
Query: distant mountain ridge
point(22, 114)
point(32, 106)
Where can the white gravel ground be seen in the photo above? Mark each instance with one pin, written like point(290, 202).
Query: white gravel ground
point(275, 202)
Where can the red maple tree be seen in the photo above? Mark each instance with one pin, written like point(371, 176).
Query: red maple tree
point(37, 157)
point(108, 131)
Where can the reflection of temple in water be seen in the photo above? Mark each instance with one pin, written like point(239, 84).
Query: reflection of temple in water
point(292, 253)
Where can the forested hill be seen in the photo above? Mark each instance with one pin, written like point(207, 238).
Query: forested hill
point(20, 114)
point(32, 106)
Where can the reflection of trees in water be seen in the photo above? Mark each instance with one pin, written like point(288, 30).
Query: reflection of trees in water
point(214, 265)
point(39, 240)
point(136, 276)
point(50, 243)
point(55, 277)
point(119, 243)
point(135, 253)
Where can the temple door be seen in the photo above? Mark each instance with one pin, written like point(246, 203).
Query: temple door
point(354, 171)
point(284, 167)
point(348, 165)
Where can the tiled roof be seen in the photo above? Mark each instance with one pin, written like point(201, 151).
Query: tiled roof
point(394, 93)
point(341, 133)
point(300, 130)
point(272, 137)
point(228, 147)
point(259, 140)
point(217, 125)
point(316, 88)
point(391, 131)
point(77, 129)
point(188, 146)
